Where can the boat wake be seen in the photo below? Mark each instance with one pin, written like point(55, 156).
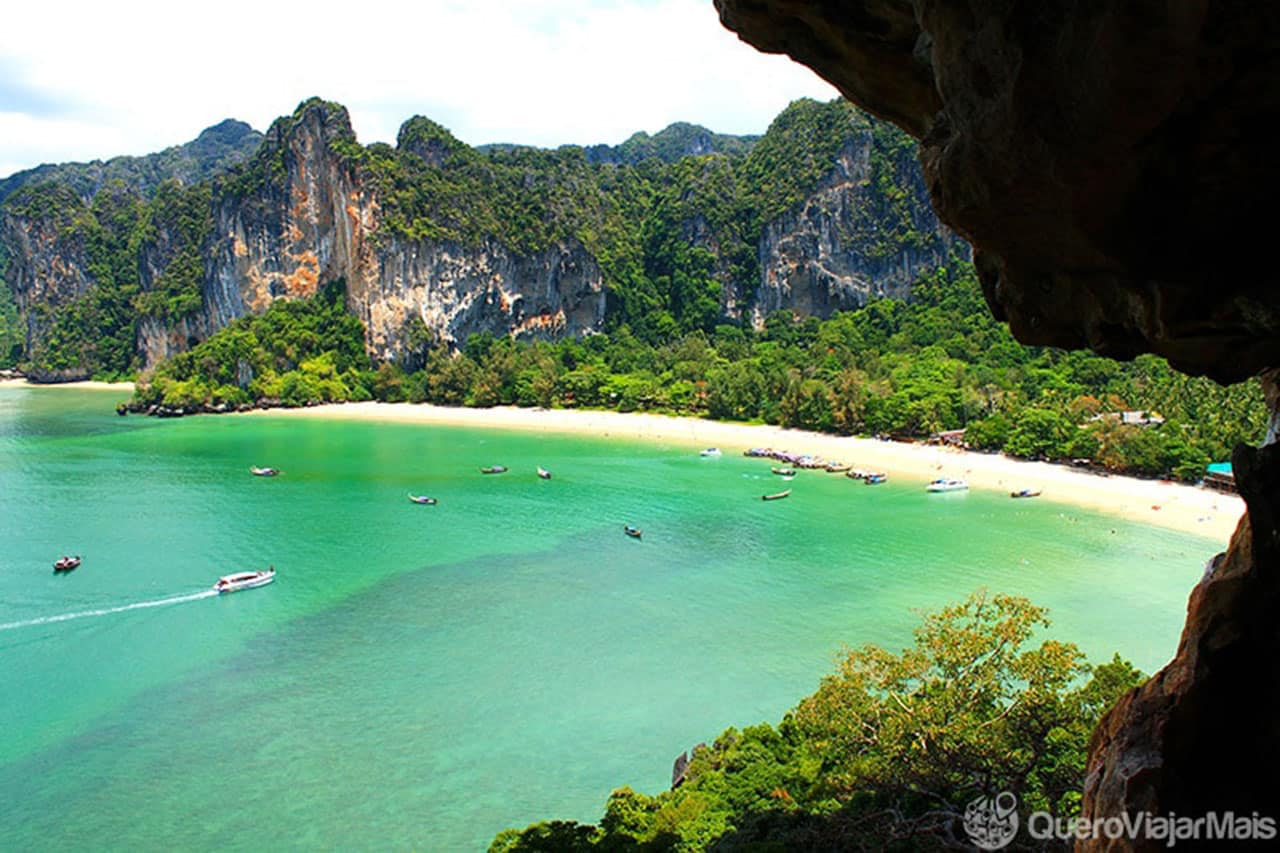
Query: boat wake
point(106, 611)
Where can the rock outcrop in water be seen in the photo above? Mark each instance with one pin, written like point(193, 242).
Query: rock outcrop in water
point(437, 239)
point(1110, 165)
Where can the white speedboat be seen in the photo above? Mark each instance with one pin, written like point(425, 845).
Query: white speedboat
point(244, 580)
point(946, 484)
point(710, 451)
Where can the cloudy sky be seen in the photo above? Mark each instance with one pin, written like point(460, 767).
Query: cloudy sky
point(85, 80)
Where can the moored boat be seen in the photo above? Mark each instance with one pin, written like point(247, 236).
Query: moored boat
point(66, 563)
point(263, 472)
point(633, 532)
point(777, 496)
point(245, 580)
point(836, 467)
point(710, 451)
point(1025, 493)
point(544, 473)
point(946, 484)
point(423, 499)
point(494, 469)
point(784, 472)
point(856, 474)
point(874, 479)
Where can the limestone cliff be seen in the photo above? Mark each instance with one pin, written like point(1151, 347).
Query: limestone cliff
point(838, 249)
point(439, 238)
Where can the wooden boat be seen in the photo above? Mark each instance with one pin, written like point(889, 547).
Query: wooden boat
point(776, 497)
point(244, 580)
point(66, 564)
point(544, 473)
point(423, 499)
point(1025, 493)
point(633, 532)
point(494, 469)
point(874, 479)
point(836, 467)
point(856, 474)
point(784, 472)
point(263, 472)
point(946, 484)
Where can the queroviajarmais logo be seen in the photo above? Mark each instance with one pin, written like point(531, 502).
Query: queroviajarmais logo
point(992, 822)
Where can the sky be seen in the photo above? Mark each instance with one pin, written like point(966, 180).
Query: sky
point(91, 80)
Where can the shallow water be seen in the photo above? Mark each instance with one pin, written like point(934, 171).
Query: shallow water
point(425, 676)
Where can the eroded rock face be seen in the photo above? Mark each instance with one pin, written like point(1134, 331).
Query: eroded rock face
point(1107, 160)
point(318, 222)
point(824, 256)
point(45, 265)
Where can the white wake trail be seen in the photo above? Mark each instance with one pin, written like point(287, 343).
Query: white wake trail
point(82, 614)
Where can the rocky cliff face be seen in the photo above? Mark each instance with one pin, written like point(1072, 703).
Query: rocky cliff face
point(440, 237)
point(46, 264)
point(830, 255)
point(321, 223)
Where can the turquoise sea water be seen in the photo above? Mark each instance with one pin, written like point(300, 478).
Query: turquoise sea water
point(423, 677)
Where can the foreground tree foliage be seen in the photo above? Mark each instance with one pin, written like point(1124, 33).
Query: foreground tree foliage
point(906, 369)
point(887, 752)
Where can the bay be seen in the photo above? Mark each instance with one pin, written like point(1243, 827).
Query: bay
point(425, 676)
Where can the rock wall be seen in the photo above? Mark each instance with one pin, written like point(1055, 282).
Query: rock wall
point(318, 222)
point(824, 257)
point(307, 210)
point(46, 265)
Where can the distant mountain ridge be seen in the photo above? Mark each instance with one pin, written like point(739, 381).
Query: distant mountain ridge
point(217, 148)
point(674, 142)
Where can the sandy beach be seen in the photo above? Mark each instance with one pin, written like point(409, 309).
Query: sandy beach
point(1157, 502)
point(125, 387)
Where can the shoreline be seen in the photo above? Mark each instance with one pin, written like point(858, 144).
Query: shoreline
point(81, 385)
point(1161, 503)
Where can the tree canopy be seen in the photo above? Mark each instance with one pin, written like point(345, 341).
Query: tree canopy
point(887, 752)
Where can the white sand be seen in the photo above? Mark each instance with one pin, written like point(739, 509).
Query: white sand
point(1186, 508)
point(126, 387)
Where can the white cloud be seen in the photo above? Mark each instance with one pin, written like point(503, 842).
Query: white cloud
point(135, 76)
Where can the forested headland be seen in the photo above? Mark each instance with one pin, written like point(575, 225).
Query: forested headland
point(902, 369)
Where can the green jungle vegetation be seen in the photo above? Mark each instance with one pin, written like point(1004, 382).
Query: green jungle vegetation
point(903, 369)
point(97, 330)
point(632, 208)
point(226, 144)
point(11, 336)
point(886, 753)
